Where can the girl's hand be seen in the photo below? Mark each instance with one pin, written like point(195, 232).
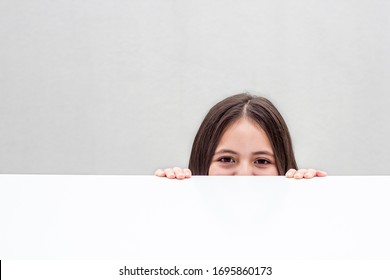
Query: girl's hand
point(174, 173)
point(305, 173)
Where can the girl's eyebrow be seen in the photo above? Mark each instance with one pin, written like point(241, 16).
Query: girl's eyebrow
point(268, 153)
point(262, 152)
point(226, 151)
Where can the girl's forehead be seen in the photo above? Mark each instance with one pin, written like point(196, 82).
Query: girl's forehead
point(244, 132)
point(244, 123)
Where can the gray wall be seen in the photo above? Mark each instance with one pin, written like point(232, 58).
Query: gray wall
point(120, 87)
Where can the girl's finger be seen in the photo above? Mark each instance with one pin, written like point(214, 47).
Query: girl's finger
point(290, 173)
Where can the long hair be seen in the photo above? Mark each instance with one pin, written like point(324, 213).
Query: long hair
point(229, 110)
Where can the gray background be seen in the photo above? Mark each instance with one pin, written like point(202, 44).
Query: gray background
point(120, 87)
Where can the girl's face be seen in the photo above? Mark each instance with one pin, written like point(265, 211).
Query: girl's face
point(244, 149)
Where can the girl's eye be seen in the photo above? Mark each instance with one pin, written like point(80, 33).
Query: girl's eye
point(226, 159)
point(262, 161)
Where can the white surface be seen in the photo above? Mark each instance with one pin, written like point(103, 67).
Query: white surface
point(145, 217)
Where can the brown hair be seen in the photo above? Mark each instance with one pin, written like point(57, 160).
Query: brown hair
point(229, 110)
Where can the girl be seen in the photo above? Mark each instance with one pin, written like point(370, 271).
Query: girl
point(242, 135)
